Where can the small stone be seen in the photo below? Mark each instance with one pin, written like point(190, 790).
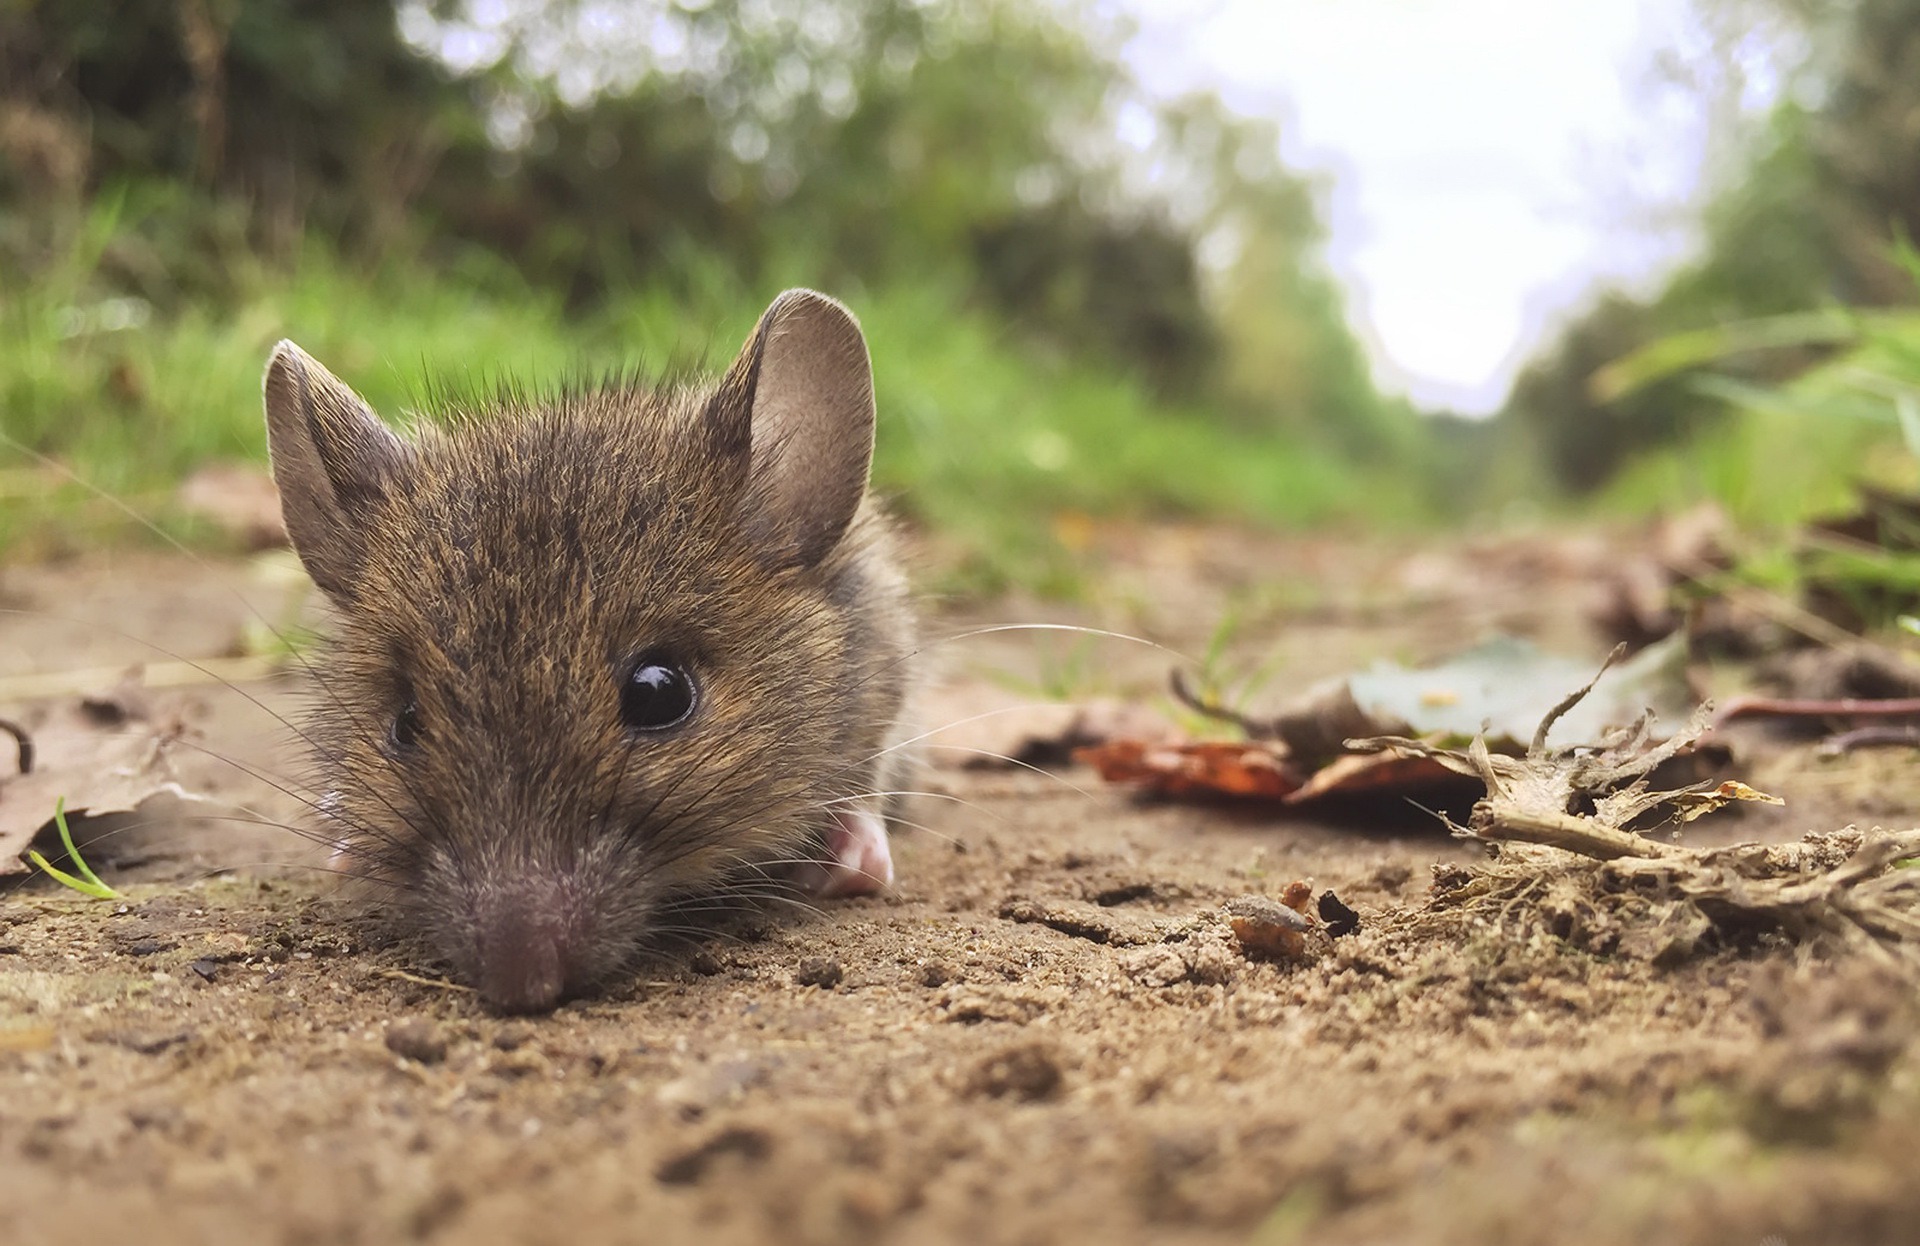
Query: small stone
point(205, 970)
point(1028, 1073)
point(1158, 966)
point(416, 1038)
point(821, 971)
point(1269, 929)
point(936, 973)
point(511, 1037)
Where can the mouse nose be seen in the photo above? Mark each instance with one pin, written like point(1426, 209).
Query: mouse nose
point(524, 954)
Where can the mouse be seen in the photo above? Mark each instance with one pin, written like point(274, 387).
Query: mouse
point(602, 656)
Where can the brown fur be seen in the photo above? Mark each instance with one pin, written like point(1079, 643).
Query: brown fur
point(504, 574)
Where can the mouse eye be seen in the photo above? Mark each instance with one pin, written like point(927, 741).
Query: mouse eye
point(658, 693)
point(404, 731)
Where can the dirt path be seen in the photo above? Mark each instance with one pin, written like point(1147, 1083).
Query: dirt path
point(1043, 1034)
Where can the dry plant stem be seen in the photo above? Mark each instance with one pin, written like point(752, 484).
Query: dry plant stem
point(1554, 715)
point(1191, 697)
point(1870, 737)
point(1845, 707)
point(40, 686)
point(401, 975)
point(1501, 819)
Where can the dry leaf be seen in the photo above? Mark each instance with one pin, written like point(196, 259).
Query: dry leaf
point(1196, 768)
point(1372, 774)
point(108, 777)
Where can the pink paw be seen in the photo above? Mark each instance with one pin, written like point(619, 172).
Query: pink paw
point(859, 862)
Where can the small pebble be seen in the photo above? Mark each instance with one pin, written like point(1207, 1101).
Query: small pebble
point(820, 971)
point(416, 1038)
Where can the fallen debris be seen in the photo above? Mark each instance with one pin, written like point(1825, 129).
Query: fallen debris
point(1305, 755)
point(108, 777)
point(417, 1039)
point(1575, 817)
point(1197, 767)
point(1277, 929)
point(1495, 689)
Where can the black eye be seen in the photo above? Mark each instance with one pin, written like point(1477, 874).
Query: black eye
point(658, 693)
point(404, 731)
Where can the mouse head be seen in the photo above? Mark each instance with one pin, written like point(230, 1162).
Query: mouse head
point(595, 654)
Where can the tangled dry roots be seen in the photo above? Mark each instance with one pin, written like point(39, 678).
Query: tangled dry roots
point(1570, 852)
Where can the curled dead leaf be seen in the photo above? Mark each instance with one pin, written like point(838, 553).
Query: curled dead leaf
point(1254, 769)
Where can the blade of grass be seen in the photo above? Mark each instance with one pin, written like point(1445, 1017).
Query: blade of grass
point(89, 884)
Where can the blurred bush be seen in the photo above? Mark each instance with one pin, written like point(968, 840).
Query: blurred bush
point(1805, 208)
point(1083, 300)
point(603, 145)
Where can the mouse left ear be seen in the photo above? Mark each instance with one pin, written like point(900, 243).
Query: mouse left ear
point(800, 399)
point(333, 461)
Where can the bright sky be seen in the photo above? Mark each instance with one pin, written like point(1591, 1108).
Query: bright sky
point(1490, 160)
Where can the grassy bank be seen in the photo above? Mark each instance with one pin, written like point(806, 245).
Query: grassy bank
point(984, 441)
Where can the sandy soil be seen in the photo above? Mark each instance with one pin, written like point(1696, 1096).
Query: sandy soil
point(1044, 1033)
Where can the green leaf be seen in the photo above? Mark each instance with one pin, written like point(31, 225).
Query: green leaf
point(1507, 685)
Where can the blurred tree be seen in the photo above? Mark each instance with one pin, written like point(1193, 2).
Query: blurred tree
point(1802, 210)
point(602, 144)
point(315, 110)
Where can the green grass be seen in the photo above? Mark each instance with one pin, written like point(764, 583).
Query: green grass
point(1795, 449)
point(1001, 450)
point(87, 883)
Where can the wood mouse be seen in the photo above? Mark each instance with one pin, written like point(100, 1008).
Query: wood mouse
point(603, 655)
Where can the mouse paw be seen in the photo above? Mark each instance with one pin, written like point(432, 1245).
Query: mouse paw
point(859, 862)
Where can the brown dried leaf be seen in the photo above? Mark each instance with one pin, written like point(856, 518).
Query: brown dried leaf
point(1373, 774)
point(1689, 805)
point(1255, 769)
point(107, 778)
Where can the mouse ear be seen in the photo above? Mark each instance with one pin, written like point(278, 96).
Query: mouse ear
point(332, 459)
point(801, 396)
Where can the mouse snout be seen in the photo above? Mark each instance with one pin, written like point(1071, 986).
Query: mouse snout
point(527, 949)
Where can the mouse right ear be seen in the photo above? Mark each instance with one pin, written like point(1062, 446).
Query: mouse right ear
point(333, 461)
point(799, 401)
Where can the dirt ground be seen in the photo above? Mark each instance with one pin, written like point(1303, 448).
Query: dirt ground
point(1043, 1033)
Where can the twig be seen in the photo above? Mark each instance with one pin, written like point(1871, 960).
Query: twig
point(23, 746)
point(1839, 707)
point(1779, 609)
point(1498, 818)
point(1539, 746)
point(1188, 696)
point(438, 983)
